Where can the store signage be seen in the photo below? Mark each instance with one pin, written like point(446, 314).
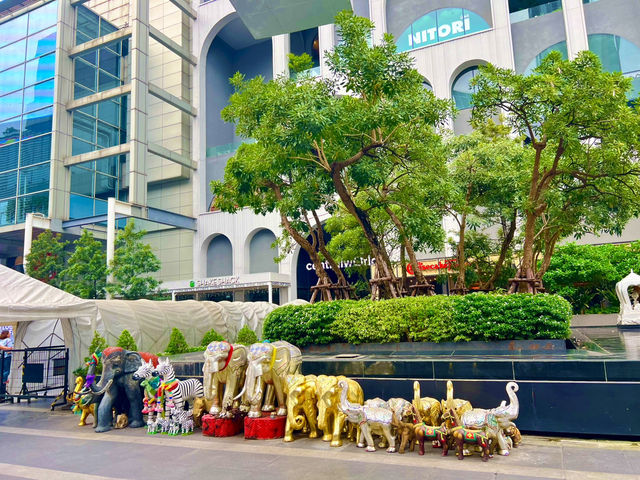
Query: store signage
point(439, 26)
point(215, 282)
point(358, 262)
point(447, 264)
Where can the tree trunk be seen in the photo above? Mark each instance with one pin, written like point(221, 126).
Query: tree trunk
point(406, 242)
point(549, 247)
point(460, 285)
point(526, 267)
point(506, 243)
point(322, 246)
point(383, 263)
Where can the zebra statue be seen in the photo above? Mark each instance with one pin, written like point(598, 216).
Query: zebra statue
point(181, 422)
point(151, 385)
point(162, 425)
point(175, 391)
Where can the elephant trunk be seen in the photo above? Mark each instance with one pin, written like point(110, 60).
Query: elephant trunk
point(296, 421)
point(96, 390)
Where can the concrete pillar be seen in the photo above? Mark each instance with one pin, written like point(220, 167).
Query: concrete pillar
point(270, 284)
point(502, 29)
point(62, 126)
point(327, 38)
point(281, 47)
point(378, 15)
point(28, 239)
point(111, 234)
point(575, 27)
point(139, 53)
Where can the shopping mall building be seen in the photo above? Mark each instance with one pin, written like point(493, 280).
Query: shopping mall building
point(110, 109)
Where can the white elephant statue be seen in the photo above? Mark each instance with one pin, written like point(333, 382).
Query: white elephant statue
point(224, 364)
point(371, 420)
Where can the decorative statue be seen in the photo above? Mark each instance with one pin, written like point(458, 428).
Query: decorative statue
point(200, 407)
point(174, 391)
point(370, 419)
point(514, 436)
point(269, 364)
point(79, 408)
point(151, 385)
point(506, 414)
point(429, 408)
point(460, 406)
point(437, 434)
point(629, 305)
point(406, 433)
point(462, 435)
point(302, 412)
point(331, 420)
point(402, 409)
point(224, 364)
point(122, 421)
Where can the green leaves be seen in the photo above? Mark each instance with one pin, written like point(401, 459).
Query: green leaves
point(86, 272)
point(177, 343)
point(126, 341)
point(132, 260)
point(246, 336)
point(45, 262)
point(211, 336)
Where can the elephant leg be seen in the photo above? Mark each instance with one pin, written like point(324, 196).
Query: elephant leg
point(105, 413)
point(215, 397)
point(310, 413)
point(134, 395)
point(282, 404)
point(421, 444)
point(269, 398)
point(390, 438)
point(503, 447)
point(366, 431)
point(445, 444)
point(338, 423)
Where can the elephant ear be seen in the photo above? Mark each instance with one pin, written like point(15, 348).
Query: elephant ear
point(132, 362)
point(283, 358)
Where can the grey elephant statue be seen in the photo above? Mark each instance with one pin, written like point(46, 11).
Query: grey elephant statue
point(224, 364)
point(269, 364)
point(118, 388)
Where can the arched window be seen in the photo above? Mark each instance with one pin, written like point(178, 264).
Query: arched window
point(461, 90)
point(219, 257)
point(261, 253)
point(560, 47)
point(618, 55)
point(427, 86)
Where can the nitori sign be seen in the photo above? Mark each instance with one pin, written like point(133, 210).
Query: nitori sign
point(439, 26)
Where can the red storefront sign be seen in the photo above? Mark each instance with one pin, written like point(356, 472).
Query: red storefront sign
point(433, 266)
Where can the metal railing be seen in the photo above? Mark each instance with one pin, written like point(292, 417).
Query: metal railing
point(45, 373)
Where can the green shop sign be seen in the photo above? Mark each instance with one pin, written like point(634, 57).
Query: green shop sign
point(439, 26)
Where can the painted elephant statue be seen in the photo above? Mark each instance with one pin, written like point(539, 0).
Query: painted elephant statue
point(224, 364)
point(118, 388)
point(378, 420)
point(269, 364)
point(331, 420)
point(429, 408)
point(302, 412)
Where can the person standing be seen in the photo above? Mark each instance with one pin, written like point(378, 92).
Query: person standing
point(6, 345)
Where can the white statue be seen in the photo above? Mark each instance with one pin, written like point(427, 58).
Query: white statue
point(629, 304)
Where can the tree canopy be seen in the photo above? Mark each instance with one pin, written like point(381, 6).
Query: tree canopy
point(86, 271)
point(46, 259)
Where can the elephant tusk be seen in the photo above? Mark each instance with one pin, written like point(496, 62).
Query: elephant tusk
point(100, 392)
point(241, 393)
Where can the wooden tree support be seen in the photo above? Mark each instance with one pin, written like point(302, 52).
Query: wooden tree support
point(392, 285)
point(422, 289)
point(331, 291)
point(531, 285)
point(459, 291)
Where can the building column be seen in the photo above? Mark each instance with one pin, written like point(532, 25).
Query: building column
point(378, 14)
point(326, 38)
point(575, 27)
point(281, 46)
point(28, 239)
point(502, 29)
point(111, 235)
point(62, 125)
point(139, 52)
point(270, 285)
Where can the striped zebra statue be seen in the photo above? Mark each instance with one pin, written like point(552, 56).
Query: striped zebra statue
point(175, 391)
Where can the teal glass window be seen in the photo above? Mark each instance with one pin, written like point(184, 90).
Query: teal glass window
point(34, 179)
point(439, 26)
point(11, 105)
point(8, 184)
point(536, 9)
point(41, 43)
point(85, 75)
point(105, 186)
point(8, 212)
point(80, 207)
point(92, 183)
point(37, 123)
point(618, 54)
point(108, 136)
point(462, 90)
point(9, 131)
point(558, 47)
point(12, 54)
point(43, 17)
point(84, 127)
point(82, 180)
point(13, 30)
point(38, 96)
point(8, 158)
point(36, 150)
point(87, 25)
point(12, 79)
point(78, 147)
point(40, 69)
point(108, 165)
point(32, 203)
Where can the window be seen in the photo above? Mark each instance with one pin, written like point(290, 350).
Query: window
point(92, 183)
point(533, 9)
point(618, 55)
point(462, 91)
point(558, 47)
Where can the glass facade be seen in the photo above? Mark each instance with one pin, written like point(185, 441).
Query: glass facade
point(27, 68)
point(536, 10)
point(462, 91)
point(101, 125)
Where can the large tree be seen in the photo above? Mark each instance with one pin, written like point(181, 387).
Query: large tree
point(86, 271)
point(132, 263)
point(343, 132)
point(584, 141)
point(46, 259)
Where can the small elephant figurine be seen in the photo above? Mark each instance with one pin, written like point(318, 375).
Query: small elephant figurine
point(462, 436)
point(200, 408)
point(302, 413)
point(370, 419)
point(406, 432)
point(437, 434)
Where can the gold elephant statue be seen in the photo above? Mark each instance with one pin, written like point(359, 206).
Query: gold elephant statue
point(80, 406)
point(302, 411)
point(224, 364)
point(331, 420)
point(269, 364)
point(459, 405)
point(200, 408)
point(429, 408)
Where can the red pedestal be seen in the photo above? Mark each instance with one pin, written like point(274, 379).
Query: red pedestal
point(221, 427)
point(265, 427)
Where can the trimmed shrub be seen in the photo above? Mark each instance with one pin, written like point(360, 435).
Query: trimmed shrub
point(438, 318)
point(211, 336)
point(246, 336)
point(177, 343)
point(511, 317)
point(126, 341)
point(304, 325)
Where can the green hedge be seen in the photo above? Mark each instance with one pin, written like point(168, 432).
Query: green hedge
point(422, 319)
